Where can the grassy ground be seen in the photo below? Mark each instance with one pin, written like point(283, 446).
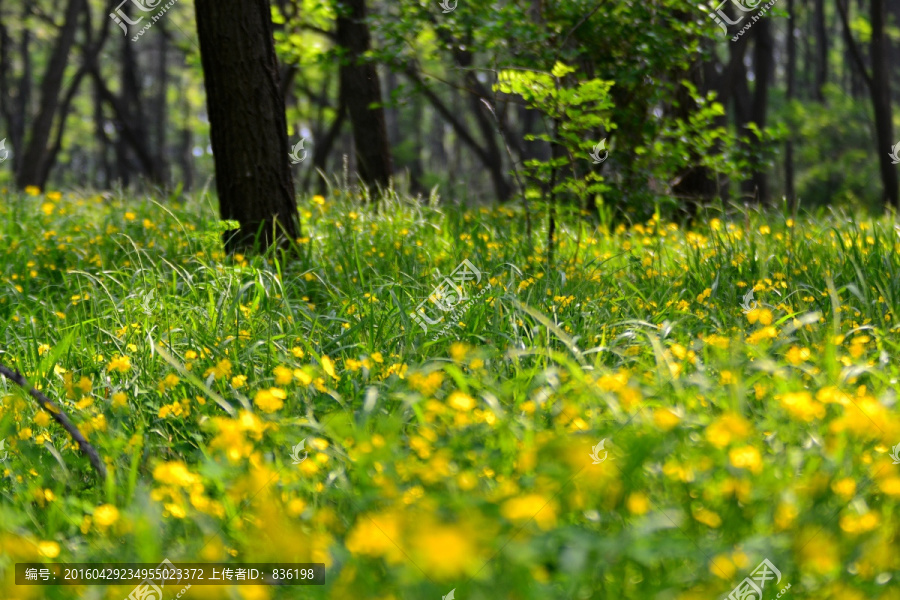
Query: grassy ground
point(734, 427)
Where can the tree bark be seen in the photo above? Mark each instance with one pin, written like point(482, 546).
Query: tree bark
point(248, 127)
point(35, 157)
point(791, 74)
point(881, 101)
point(361, 90)
point(763, 67)
point(821, 59)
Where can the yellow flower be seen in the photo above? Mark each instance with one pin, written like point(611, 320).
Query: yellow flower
point(43, 349)
point(426, 384)
point(445, 551)
point(328, 367)
point(532, 506)
point(766, 333)
point(461, 401)
point(32, 190)
point(238, 381)
point(747, 457)
point(665, 419)
point(801, 405)
point(283, 375)
point(728, 427)
point(298, 352)
point(302, 376)
point(708, 517)
point(168, 382)
point(796, 355)
point(845, 488)
point(722, 566)
point(221, 370)
point(317, 199)
point(119, 400)
point(42, 419)
point(785, 515)
point(175, 473)
point(638, 503)
point(818, 551)
point(106, 515)
point(377, 535)
point(48, 549)
point(119, 363)
point(763, 315)
point(176, 409)
point(269, 400)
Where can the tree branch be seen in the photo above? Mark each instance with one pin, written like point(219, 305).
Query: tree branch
point(854, 48)
point(60, 417)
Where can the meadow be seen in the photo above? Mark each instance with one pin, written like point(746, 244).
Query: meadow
point(651, 416)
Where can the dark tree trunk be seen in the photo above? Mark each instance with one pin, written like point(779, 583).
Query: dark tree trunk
point(881, 101)
point(416, 169)
point(763, 67)
point(324, 145)
point(821, 60)
point(361, 90)
point(102, 175)
point(791, 74)
point(248, 128)
point(697, 184)
point(32, 169)
point(160, 107)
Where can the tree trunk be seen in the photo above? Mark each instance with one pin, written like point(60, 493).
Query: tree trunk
point(248, 128)
point(763, 67)
point(789, 190)
point(881, 101)
point(35, 157)
point(361, 90)
point(821, 61)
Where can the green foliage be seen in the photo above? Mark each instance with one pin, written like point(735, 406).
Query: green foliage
point(433, 460)
point(573, 110)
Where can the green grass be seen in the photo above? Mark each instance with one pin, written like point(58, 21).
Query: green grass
point(734, 433)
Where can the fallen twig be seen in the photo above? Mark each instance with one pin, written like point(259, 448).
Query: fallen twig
point(60, 417)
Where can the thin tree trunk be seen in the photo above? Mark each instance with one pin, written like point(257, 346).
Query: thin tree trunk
point(821, 60)
point(763, 67)
point(361, 89)
point(789, 190)
point(35, 157)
